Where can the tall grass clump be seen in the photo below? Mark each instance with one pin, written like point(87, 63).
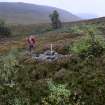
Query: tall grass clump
point(7, 67)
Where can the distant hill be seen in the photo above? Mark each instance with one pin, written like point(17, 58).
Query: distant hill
point(23, 13)
point(87, 15)
point(100, 20)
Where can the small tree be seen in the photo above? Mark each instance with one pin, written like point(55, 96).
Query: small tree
point(56, 23)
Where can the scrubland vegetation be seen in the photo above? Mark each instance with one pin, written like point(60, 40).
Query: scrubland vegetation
point(78, 79)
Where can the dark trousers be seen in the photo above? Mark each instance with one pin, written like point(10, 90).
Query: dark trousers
point(30, 48)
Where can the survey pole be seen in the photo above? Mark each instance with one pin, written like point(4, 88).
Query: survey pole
point(51, 48)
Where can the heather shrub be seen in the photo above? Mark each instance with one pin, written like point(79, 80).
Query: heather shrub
point(59, 95)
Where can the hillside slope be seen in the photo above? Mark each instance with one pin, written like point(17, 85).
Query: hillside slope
point(77, 78)
point(23, 13)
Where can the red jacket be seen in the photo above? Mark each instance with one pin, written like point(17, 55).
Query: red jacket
point(31, 40)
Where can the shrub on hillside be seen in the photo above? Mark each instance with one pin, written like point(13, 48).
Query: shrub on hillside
point(86, 46)
point(4, 30)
